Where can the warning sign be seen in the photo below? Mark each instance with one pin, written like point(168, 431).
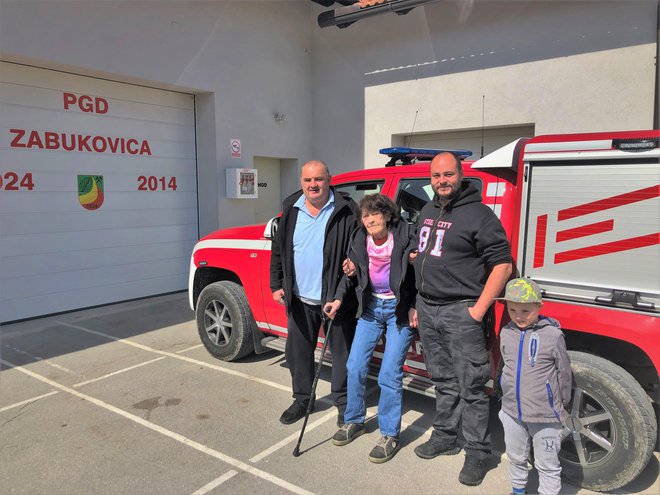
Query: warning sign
point(235, 146)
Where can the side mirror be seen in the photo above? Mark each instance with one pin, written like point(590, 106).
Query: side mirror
point(271, 227)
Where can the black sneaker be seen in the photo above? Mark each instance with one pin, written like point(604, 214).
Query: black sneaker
point(473, 471)
point(386, 447)
point(347, 433)
point(295, 411)
point(429, 450)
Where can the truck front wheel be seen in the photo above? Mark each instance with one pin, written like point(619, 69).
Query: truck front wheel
point(610, 433)
point(224, 321)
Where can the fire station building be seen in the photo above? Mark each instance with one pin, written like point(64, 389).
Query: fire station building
point(131, 128)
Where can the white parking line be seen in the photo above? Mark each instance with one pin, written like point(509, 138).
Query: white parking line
point(168, 433)
point(216, 482)
point(292, 437)
point(424, 431)
point(311, 426)
point(28, 401)
point(182, 358)
point(189, 348)
point(107, 375)
point(37, 358)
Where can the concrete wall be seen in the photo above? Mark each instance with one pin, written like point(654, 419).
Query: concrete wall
point(566, 66)
point(245, 61)
point(561, 66)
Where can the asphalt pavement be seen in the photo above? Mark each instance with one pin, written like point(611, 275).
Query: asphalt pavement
point(125, 399)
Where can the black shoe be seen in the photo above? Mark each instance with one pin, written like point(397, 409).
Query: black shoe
point(340, 419)
point(429, 450)
point(347, 433)
point(386, 447)
point(473, 471)
point(295, 411)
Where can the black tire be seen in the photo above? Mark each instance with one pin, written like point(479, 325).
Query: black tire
point(224, 321)
point(611, 431)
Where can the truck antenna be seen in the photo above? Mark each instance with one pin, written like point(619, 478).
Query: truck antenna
point(483, 114)
point(411, 130)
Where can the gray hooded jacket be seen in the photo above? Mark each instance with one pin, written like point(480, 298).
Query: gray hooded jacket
point(536, 378)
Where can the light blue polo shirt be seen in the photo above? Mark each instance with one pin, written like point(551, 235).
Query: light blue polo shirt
point(308, 241)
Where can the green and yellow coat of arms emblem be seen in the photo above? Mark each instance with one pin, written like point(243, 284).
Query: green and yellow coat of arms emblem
point(90, 191)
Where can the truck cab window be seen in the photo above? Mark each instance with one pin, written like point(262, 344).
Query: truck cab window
point(358, 190)
point(413, 194)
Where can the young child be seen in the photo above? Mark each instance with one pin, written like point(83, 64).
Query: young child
point(536, 383)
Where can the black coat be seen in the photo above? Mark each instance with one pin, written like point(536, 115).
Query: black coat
point(402, 275)
point(470, 240)
point(341, 224)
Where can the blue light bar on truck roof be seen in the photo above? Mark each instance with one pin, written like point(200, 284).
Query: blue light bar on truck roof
point(407, 155)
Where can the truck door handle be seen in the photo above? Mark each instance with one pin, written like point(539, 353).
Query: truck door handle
point(624, 296)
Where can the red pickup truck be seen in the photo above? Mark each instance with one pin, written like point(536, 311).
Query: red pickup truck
point(581, 212)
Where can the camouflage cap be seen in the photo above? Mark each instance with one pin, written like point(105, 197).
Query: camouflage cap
point(522, 290)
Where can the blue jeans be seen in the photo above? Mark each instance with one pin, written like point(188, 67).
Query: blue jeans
point(378, 318)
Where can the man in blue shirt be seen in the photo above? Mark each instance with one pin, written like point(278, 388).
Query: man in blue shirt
point(306, 265)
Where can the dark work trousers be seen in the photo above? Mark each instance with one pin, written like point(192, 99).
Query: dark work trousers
point(455, 354)
point(303, 327)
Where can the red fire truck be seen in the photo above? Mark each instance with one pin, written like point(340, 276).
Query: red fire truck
point(582, 212)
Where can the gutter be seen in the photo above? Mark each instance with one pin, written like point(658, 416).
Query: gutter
point(345, 16)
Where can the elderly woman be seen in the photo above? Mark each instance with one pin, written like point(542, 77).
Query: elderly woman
point(384, 283)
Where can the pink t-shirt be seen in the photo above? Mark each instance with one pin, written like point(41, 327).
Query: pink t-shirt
point(380, 258)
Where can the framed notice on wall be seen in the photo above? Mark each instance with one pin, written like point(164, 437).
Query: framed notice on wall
point(242, 183)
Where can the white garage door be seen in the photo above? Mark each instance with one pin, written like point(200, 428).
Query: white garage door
point(98, 191)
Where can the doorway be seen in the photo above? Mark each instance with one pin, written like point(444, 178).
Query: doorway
point(269, 203)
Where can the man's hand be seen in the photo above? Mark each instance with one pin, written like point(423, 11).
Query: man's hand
point(412, 256)
point(494, 285)
point(348, 267)
point(412, 318)
point(331, 309)
point(278, 296)
point(476, 315)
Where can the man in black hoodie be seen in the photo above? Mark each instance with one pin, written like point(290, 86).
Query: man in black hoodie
point(308, 249)
point(463, 262)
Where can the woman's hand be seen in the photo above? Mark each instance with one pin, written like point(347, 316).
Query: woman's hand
point(412, 256)
point(331, 309)
point(348, 267)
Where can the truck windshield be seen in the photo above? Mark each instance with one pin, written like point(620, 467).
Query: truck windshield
point(415, 193)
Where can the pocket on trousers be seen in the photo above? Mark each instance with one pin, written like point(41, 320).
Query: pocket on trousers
point(478, 372)
point(468, 305)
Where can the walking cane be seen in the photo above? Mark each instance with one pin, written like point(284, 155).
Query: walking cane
point(296, 451)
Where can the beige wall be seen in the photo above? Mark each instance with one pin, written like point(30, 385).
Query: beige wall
point(559, 66)
point(599, 91)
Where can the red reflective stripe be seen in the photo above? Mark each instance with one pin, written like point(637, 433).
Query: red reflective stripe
point(608, 248)
point(539, 246)
point(585, 230)
point(607, 203)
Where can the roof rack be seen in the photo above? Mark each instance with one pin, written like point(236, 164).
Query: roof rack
point(407, 156)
